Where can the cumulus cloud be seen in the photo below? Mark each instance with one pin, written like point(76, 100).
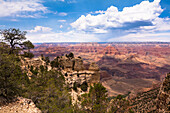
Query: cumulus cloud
point(144, 14)
point(137, 23)
point(21, 8)
point(40, 29)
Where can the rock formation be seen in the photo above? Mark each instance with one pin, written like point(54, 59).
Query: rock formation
point(22, 105)
point(163, 99)
point(77, 77)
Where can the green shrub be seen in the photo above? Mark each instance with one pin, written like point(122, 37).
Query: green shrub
point(28, 54)
point(66, 74)
point(75, 86)
point(71, 55)
point(84, 86)
point(77, 74)
point(12, 79)
point(42, 68)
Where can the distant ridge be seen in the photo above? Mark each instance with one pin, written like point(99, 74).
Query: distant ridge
point(104, 43)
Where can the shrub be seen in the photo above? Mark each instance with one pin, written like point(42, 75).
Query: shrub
point(79, 57)
point(66, 74)
point(75, 86)
point(73, 65)
point(77, 74)
point(42, 68)
point(28, 54)
point(12, 78)
point(84, 86)
point(71, 55)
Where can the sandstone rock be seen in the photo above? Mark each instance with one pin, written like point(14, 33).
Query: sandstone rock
point(94, 67)
point(71, 63)
point(78, 64)
point(22, 105)
point(75, 73)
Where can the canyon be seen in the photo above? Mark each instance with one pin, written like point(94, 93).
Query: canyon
point(124, 67)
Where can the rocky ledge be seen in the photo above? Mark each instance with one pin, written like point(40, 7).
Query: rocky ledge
point(21, 105)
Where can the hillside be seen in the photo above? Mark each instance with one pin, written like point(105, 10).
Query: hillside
point(155, 100)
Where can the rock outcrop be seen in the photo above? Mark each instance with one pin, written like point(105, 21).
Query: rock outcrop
point(27, 63)
point(71, 64)
point(22, 105)
point(77, 77)
point(163, 99)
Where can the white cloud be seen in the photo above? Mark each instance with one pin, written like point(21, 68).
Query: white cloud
point(112, 18)
point(162, 24)
point(21, 8)
point(71, 36)
point(61, 20)
point(101, 12)
point(40, 29)
point(62, 14)
point(111, 25)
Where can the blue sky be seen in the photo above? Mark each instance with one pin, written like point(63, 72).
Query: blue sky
point(88, 20)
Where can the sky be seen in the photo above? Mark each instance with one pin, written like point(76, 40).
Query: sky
point(88, 20)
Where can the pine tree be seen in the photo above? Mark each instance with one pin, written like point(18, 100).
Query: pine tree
point(95, 101)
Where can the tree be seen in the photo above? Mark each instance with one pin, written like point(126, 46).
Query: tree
point(54, 63)
point(47, 60)
point(84, 86)
point(71, 55)
point(28, 45)
point(4, 48)
point(42, 68)
point(48, 92)
point(11, 76)
point(14, 37)
point(95, 101)
point(28, 54)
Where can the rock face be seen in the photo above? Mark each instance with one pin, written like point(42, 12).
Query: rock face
point(35, 62)
point(70, 64)
point(163, 99)
point(74, 71)
point(22, 105)
point(145, 102)
point(156, 100)
point(77, 78)
point(94, 67)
